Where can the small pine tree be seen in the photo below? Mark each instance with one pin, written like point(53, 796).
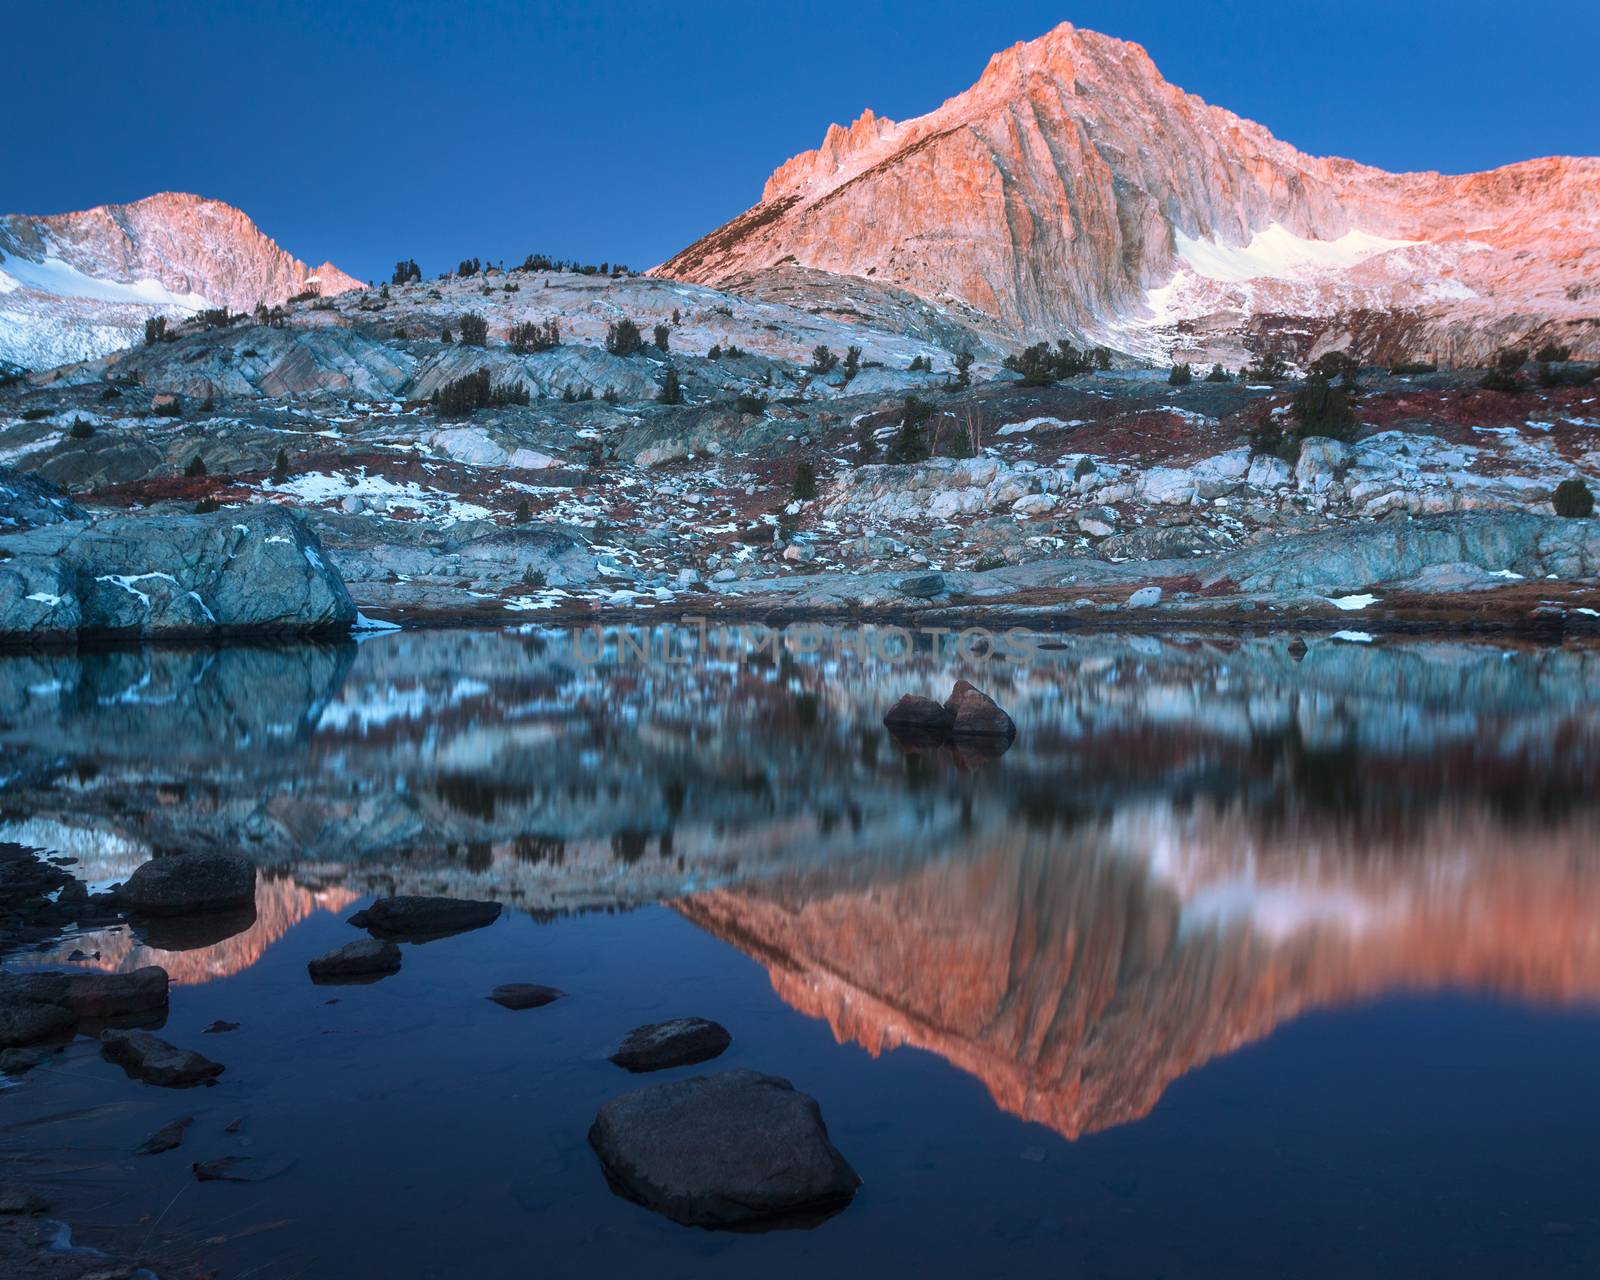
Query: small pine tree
point(1322, 409)
point(531, 336)
point(671, 392)
point(80, 430)
point(866, 444)
point(909, 444)
point(920, 364)
point(1180, 376)
point(1550, 353)
point(280, 468)
point(963, 369)
point(663, 334)
point(1573, 500)
point(823, 360)
point(445, 337)
point(805, 482)
point(852, 362)
point(523, 514)
point(474, 330)
point(623, 338)
point(155, 330)
point(1218, 374)
point(196, 467)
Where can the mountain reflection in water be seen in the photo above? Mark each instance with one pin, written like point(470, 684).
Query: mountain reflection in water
point(1192, 841)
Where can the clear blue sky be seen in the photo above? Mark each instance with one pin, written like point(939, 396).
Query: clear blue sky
point(365, 132)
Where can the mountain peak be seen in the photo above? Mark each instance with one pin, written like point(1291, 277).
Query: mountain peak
point(1073, 190)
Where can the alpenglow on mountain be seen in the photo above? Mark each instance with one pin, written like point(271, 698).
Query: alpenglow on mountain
point(74, 286)
point(1073, 190)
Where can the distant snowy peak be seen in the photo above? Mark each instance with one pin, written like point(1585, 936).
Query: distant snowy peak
point(1072, 189)
point(75, 286)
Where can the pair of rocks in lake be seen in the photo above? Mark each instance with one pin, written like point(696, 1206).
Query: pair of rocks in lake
point(969, 719)
point(391, 920)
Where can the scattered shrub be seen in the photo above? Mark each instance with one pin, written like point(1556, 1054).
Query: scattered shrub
point(749, 402)
point(1511, 359)
point(963, 369)
point(523, 515)
point(663, 335)
point(531, 336)
point(206, 506)
point(468, 267)
point(35, 415)
point(460, 396)
point(169, 409)
point(1567, 375)
point(1218, 374)
point(196, 467)
point(671, 392)
point(280, 468)
point(852, 362)
point(823, 360)
point(444, 336)
point(1040, 365)
point(1551, 353)
point(1335, 364)
point(80, 430)
point(1407, 367)
point(474, 330)
point(1573, 500)
point(110, 393)
point(866, 444)
point(1100, 357)
point(909, 443)
point(920, 364)
point(155, 330)
point(1269, 367)
point(624, 339)
point(1181, 375)
point(1322, 409)
point(1502, 379)
point(805, 482)
point(715, 352)
point(1085, 467)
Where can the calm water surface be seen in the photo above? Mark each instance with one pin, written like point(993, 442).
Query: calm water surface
point(1234, 965)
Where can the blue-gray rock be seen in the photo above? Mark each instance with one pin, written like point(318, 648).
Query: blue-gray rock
point(921, 586)
point(364, 959)
point(256, 571)
point(27, 501)
point(153, 1060)
point(678, 1042)
point(419, 919)
point(190, 883)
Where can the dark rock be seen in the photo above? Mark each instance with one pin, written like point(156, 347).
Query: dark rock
point(226, 1169)
point(165, 1138)
point(27, 1022)
point(256, 570)
point(219, 1026)
point(365, 958)
point(737, 1149)
point(916, 715)
point(921, 586)
point(977, 715)
point(153, 1060)
point(420, 919)
point(15, 1198)
point(1298, 648)
point(16, 1062)
point(142, 992)
point(188, 883)
point(524, 995)
point(679, 1042)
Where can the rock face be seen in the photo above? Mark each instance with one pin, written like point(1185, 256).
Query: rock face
point(1072, 189)
point(736, 1149)
point(153, 1060)
point(418, 919)
point(256, 571)
point(679, 1042)
point(191, 883)
point(78, 285)
point(364, 958)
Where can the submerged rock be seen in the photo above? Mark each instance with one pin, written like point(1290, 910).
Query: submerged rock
point(140, 993)
point(680, 1042)
point(15, 1198)
point(29, 1022)
point(420, 919)
point(524, 995)
point(16, 1062)
point(370, 958)
point(153, 1060)
point(737, 1149)
point(166, 1138)
point(191, 883)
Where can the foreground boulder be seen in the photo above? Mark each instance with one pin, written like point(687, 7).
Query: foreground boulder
point(975, 714)
point(737, 1149)
point(917, 715)
point(37, 1008)
point(524, 995)
point(252, 571)
point(365, 958)
point(679, 1042)
point(153, 1060)
point(420, 919)
point(191, 883)
point(27, 1022)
